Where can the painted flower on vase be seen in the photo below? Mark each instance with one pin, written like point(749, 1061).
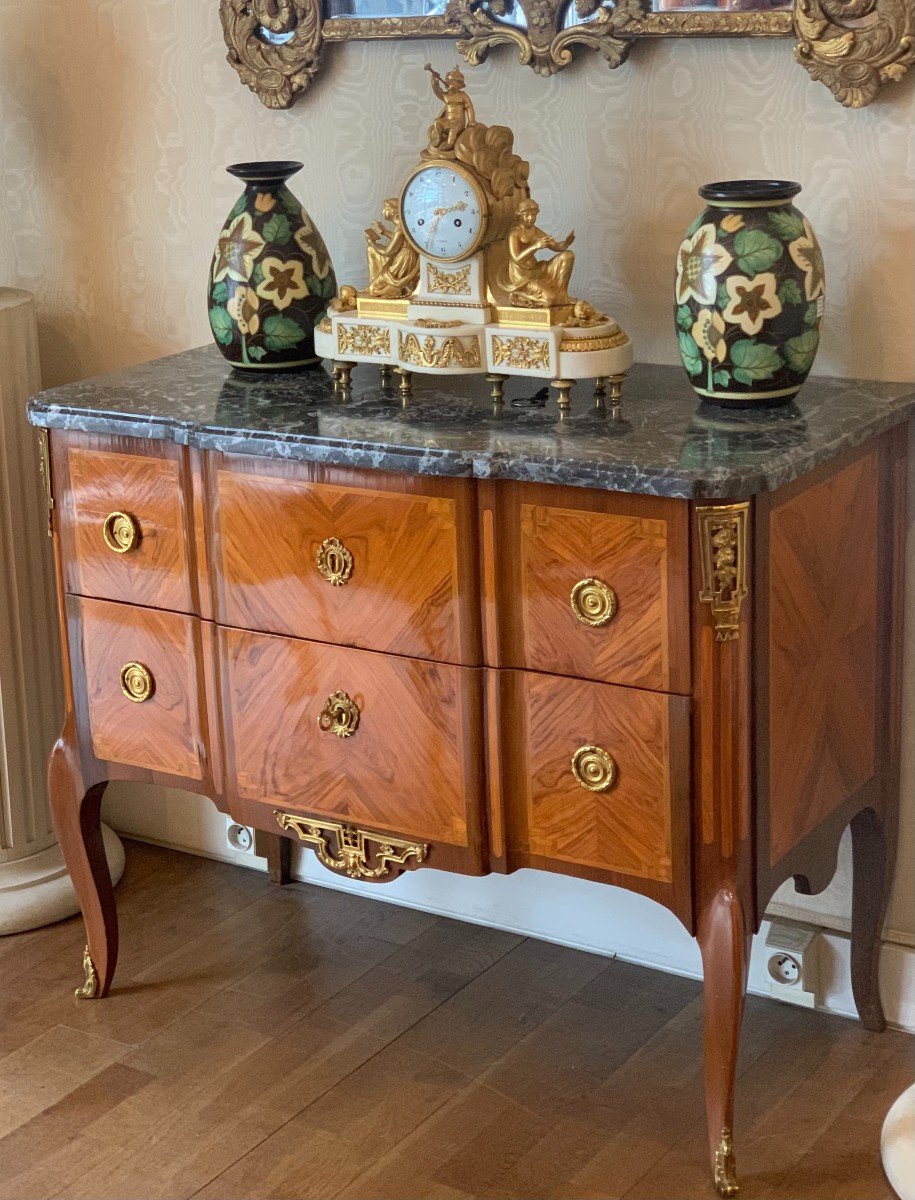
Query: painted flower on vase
point(237, 249)
point(306, 242)
point(806, 253)
point(243, 310)
point(752, 301)
point(283, 282)
point(265, 202)
point(708, 334)
point(732, 222)
point(700, 262)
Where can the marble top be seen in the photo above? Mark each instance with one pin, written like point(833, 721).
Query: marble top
point(662, 441)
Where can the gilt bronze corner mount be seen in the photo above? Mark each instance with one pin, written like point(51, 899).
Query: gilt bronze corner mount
point(852, 46)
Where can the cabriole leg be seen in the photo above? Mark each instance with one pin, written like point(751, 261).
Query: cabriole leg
point(76, 810)
point(725, 944)
point(873, 856)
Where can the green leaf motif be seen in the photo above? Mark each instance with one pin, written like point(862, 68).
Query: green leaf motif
point(684, 317)
point(241, 205)
point(289, 202)
point(722, 298)
point(695, 225)
point(257, 353)
point(722, 378)
point(282, 334)
point(756, 251)
point(277, 229)
point(800, 351)
point(754, 361)
point(788, 225)
point(790, 292)
point(326, 288)
point(221, 324)
point(812, 315)
point(258, 276)
point(689, 352)
point(220, 293)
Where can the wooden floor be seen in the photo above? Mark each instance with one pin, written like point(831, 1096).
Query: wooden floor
point(303, 1043)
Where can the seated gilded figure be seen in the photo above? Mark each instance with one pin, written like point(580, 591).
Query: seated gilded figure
point(454, 118)
point(533, 282)
point(393, 263)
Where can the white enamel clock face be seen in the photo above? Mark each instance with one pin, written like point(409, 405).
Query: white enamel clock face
point(442, 212)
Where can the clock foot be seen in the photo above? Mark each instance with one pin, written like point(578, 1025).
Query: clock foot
point(387, 374)
point(343, 372)
point(616, 388)
point(563, 387)
point(498, 384)
point(600, 393)
point(406, 385)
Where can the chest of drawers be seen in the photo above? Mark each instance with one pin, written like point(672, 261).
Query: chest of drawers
point(412, 640)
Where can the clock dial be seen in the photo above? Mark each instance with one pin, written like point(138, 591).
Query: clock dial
point(442, 212)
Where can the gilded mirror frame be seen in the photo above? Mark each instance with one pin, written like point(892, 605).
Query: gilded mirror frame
point(854, 47)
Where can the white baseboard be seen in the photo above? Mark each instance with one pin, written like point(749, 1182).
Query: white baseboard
point(554, 908)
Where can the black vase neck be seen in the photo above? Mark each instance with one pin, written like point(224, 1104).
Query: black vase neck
point(756, 192)
point(265, 175)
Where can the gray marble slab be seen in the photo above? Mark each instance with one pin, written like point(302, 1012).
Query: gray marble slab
point(662, 441)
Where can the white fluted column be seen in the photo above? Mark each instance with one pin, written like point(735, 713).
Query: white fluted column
point(34, 886)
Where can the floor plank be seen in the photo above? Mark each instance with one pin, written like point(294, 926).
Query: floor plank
point(301, 1042)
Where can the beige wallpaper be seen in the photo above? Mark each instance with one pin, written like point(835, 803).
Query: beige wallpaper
point(117, 117)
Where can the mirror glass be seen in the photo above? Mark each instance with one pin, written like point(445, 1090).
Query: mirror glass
point(516, 16)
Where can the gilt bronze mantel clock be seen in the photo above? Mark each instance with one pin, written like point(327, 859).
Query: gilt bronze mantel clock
point(462, 280)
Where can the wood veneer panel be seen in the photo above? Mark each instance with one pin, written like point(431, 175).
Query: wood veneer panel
point(413, 585)
point(637, 832)
point(163, 733)
point(545, 540)
point(411, 767)
point(823, 646)
point(146, 480)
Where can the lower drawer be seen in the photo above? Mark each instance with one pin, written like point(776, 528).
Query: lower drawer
point(139, 687)
point(595, 781)
point(380, 742)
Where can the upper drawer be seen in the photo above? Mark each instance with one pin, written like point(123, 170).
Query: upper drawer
point(378, 741)
point(591, 584)
point(122, 521)
point(369, 560)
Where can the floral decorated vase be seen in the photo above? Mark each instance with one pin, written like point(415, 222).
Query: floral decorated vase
point(271, 278)
point(750, 293)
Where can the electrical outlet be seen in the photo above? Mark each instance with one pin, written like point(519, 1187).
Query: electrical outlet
point(239, 838)
point(793, 963)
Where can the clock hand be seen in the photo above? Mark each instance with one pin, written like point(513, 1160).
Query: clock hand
point(438, 213)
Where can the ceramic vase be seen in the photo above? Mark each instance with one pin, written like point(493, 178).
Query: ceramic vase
point(271, 278)
point(749, 294)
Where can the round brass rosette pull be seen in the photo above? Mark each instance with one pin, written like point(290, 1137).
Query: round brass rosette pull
point(594, 768)
point(121, 532)
point(340, 715)
point(137, 682)
point(594, 602)
point(334, 562)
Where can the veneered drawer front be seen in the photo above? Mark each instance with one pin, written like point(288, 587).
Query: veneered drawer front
point(594, 585)
point(384, 567)
point(412, 764)
point(157, 657)
point(631, 823)
point(123, 525)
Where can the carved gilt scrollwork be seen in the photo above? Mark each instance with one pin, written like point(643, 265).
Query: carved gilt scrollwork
point(274, 45)
point(855, 46)
point(544, 45)
point(852, 46)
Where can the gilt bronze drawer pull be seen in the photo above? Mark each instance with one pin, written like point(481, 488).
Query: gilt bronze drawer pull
point(593, 602)
point(594, 768)
point(340, 715)
point(121, 532)
point(334, 562)
point(350, 851)
point(137, 682)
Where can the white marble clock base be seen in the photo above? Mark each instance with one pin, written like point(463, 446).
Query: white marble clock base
point(563, 354)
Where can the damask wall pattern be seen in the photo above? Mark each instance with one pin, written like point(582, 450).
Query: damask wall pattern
point(117, 118)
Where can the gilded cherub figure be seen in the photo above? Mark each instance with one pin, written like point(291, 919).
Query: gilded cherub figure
point(454, 118)
point(393, 263)
point(532, 282)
